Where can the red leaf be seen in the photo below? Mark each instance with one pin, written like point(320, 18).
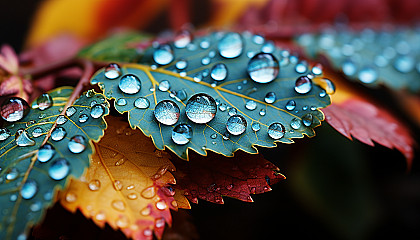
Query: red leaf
point(213, 176)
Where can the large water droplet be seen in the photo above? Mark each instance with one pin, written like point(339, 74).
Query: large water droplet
point(112, 71)
point(77, 144)
point(270, 97)
point(58, 134)
point(263, 68)
point(182, 39)
point(46, 152)
point(219, 72)
point(303, 85)
point(404, 64)
point(163, 54)
point(167, 112)
point(14, 109)
point(59, 169)
point(250, 105)
point(22, 139)
point(181, 134)
point(201, 108)
point(4, 134)
point(44, 101)
point(70, 111)
point(231, 45)
point(164, 85)
point(130, 84)
point(276, 131)
point(236, 125)
point(97, 111)
point(307, 120)
point(295, 123)
point(367, 75)
point(12, 174)
point(29, 189)
point(83, 118)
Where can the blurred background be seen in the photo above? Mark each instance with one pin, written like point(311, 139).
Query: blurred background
point(335, 188)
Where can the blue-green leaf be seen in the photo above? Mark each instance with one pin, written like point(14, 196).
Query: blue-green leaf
point(29, 176)
point(188, 71)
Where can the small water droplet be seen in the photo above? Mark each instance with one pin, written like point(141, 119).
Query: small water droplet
point(59, 169)
point(232, 111)
point(61, 120)
point(22, 139)
point(201, 108)
point(367, 75)
point(164, 85)
point(276, 131)
point(146, 211)
point(163, 55)
point(94, 185)
point(117, 185)
point(404, 64)
point(301, 67)
point(77, 144)
point(291, 105)
point(36, 206)
point(167, 112)
point(181, 64)
point(255, 127)
point(219, 72)
point(161, 205)
point(5, 134)
point(46, 152)
point(58, 134)
point(44, 101)
point(160, 223)
point(130, 84)
point(12, 174)
point(14, 109)
point(349, 68)
point(121, 102)
point(132, 196)
point(182, 134)
point(322, 94)
point(83, 118)
point(213, 136)
point(295, 123)
point(317, 69)
point(29, 189)
point(263, 68)
point(120, 161)
point(100, 216)
point(307, 120)
point(141, 103)
point(236, 125)
point(70, 111)
point(205, 44)
point(231, 45)
point(71, 197)
point(182, 39)
point(118, 205)
point(303, 85)
point(250, 105)
point(270, 97)
point(112, 71)
point(262, 112)
point(148, 192)
point(268, 47)
point(97, 111)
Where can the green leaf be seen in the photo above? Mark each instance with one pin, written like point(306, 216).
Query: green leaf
point(19, 209)
point(120, 48)
point(231, 94)
point(370, 57)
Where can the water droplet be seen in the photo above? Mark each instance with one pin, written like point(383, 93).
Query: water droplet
point(77, 144)
point(146, 211)
point(182, 39)
point(4, 134)
point(164, 86)
point(349, 68)
point(61, 120)
point(29, 189)
point(213, 136)
point(295, 123)
point(100, 216)
point(149, 192)
point(231, 45)
point(94, 185)
point(90, 93)
point(132, 196)
point(301, 67)
point(303, 85)
point(46, 152)
point(404, 64)
point(12, 174)
point(270, 97)
point(83, 118)
point(181, 64)
point(97, 111)
point(71, 197)
point(201, 108)
point(13, 198)
point(141, 103)
point(205, 60)
point(219, 72)
point(14, 109)
point(70, 111)
point(167, 112)
point(161, 204)
point(263, 68)
point(262, 112)
point(367, 75)
point(163, 55)
point(22, 139)
point(130, 84)
point(232, 111)
point(317, 69)
point(223, 107)
point(205, 44)
point(121, 102)
point(307, 120)
point(327, 85)
point(250, 105)
point(44, 101)
point(160, 223)
point(36, 206)
point(322, 94)
point(181, 134)
point(255, 127)
point(276, 131)
point(118, 205)
point(112, 71)
point(236, 125)
point(117, 185)
point(268, 47)
point(58, 134)
point(59, 169)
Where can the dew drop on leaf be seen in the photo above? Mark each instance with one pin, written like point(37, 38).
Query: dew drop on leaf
point(44, 101)
point(112, 71)
point(295, 123)
point(132, 196)
point(301, 67)
point(22, 139)
point(268, 47)
point(182, 39)
point(148, 192)
point(236, 125)
point(263, 68)
point(167, 112)
point(181, 64)
point(404, 64)
point(14, 109)
point(77, 144)
point(141, 103)
point(201, 108)
point(327, 85)
point(145, 211)
point(59, 169)
point(36, 206)
point(70, 111)
point(349, 68)
point(317, 69)
point(250, 105)
point(276, 131)
point(117, 185)
point(121, 102)
point(270, 97)
point(182, 134)
point(94, 185)
point(231, 45)
point(219, 72)
point(46, 152)
point(303, 85)
point(61, 120)
point(367, 75)
point(163, 54)
point(71, 197)
point(83, 118)
point(100, 216)
point(12, 174)
point(4, 134)
point(97, 111)
point(118, 205)
point(161, 204)
point(58, 134)
point(130, 84)
point(307, 120)
point(255, 127)
point(164, 85)
point(262, 112)
point(29, 189)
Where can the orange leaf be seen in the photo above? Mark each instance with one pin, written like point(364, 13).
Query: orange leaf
point(126, 185)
